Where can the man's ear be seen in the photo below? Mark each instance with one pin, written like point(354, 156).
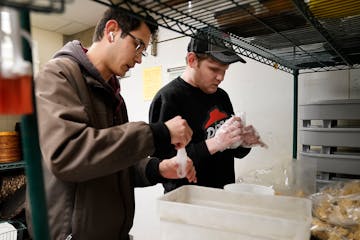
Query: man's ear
point(192, 59)
point(111, 29)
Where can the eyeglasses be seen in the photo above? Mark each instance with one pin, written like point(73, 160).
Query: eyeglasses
point(140, 48)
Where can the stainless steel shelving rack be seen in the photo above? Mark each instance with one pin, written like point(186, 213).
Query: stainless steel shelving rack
point(295, 36)
point(9, 166)
point(286, 34)
point(45, 6)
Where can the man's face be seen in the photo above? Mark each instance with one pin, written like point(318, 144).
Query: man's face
point(209, 74)
point(128, 50)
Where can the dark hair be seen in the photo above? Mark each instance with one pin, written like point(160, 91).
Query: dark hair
point(125, 21)
point(201, 57)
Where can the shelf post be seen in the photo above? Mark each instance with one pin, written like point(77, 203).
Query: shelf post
point(32, 155)
point(295, 113)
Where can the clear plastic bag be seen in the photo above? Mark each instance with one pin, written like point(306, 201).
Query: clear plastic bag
point(294, 178)
point(250, 137)
point(336, 211)
point(181, 158)
point(338, 203)
point(325, 231)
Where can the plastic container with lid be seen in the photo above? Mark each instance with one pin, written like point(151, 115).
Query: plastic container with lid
point(194, 212)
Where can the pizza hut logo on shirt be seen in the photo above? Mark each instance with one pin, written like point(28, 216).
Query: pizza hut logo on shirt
point(214, 121)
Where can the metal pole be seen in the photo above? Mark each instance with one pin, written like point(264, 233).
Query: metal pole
point(32, 155)
point(295, 113)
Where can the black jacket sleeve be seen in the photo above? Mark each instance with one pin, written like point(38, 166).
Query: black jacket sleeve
point(161, 112)
point(161, 135)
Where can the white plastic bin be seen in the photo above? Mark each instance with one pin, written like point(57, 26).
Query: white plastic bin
point(193, 212)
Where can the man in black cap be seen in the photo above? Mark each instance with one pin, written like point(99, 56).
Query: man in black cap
point(196, 96)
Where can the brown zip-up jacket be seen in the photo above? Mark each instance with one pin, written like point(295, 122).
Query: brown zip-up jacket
point(92, 157)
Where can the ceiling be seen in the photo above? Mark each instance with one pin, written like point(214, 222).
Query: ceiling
point(79, 15)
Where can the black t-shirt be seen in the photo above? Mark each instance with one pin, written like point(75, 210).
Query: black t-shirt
point(205, 113)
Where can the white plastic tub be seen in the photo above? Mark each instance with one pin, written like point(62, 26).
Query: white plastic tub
point(193, 212)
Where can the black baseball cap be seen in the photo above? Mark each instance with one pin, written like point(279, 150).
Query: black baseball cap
point(215, 44)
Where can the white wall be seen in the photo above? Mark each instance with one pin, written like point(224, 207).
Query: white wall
point(343, 84)
point(266, 95)
point(170, 54)
point(45, 45)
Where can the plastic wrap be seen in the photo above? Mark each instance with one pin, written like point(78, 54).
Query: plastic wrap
point(336, 211)
point(295, 178)
point(181, 158)
point(250, 137)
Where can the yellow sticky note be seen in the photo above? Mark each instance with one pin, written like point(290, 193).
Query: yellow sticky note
point(151, 82)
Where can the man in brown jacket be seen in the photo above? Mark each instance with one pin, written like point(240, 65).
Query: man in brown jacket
point(92, 156)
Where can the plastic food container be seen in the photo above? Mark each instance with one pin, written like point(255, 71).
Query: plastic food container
point(249, 188)
point(193, 212)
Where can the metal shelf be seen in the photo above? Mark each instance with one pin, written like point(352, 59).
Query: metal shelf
point(46, 6)
point(303, 35)
point(14, 165)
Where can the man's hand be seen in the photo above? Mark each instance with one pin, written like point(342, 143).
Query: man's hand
point(180, 132)
point(228, 134)
point(168, 169)
point(251, 137)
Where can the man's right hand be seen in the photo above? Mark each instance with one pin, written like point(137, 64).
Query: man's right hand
point(180, 132)
point(227, 135)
